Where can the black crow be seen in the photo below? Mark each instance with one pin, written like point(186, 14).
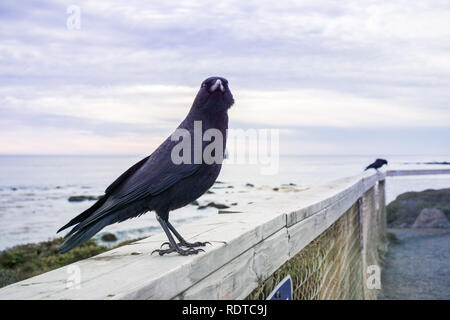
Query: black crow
point(377, 164)
point(157, 183)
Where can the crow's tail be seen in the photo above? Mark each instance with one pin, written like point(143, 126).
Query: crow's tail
point(85, 214)
point(84, 234)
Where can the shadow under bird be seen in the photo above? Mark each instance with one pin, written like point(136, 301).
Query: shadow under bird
point(158, 184)
point(377, 164)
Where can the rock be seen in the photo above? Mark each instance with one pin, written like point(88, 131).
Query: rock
point(209, 192)
point(217, 205)
point(82, 198)
point(276, 189)
point(290, 189)
point(194, 203)
point(438, 162)
point(214, 205)
point(431, 218)
point(228, 212)
point(109, 237)
point(251, 185)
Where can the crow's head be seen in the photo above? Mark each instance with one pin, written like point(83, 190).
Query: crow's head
point(214, 95)
point(382, 161)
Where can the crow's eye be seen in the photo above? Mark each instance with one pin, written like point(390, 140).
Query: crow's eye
point(203, 85)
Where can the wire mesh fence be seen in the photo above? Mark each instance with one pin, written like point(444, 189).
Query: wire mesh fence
point(333, 266)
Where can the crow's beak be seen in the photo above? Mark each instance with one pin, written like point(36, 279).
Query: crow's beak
point(216, 85)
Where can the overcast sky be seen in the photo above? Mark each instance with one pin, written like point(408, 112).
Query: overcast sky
point(336, 77)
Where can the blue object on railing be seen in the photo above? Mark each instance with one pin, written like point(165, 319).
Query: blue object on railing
point(283, 291)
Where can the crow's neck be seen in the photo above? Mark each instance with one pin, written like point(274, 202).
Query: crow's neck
point(217, 120)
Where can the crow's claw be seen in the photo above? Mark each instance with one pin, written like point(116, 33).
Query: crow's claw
point(162, 252)
point(187, 244)
point(165, 243)
point(183, 252)
point(195, 244)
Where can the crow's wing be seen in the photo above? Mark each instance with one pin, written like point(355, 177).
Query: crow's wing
point(151, 179)
point(146, 178)
point(370, 166)
point(82, 216)
point(125, 175)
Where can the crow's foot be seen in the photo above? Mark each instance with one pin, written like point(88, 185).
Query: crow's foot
point(188, 244)
point(182, 252)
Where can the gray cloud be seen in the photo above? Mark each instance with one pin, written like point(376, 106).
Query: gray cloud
point(394, 53)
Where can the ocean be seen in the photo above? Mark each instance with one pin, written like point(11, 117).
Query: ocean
point(34, 190)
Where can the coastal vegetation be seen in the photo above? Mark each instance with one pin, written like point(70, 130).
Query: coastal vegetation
point(404, 210)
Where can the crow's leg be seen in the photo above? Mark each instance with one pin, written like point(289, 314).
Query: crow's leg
point(173, 247)
point(183, 242)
